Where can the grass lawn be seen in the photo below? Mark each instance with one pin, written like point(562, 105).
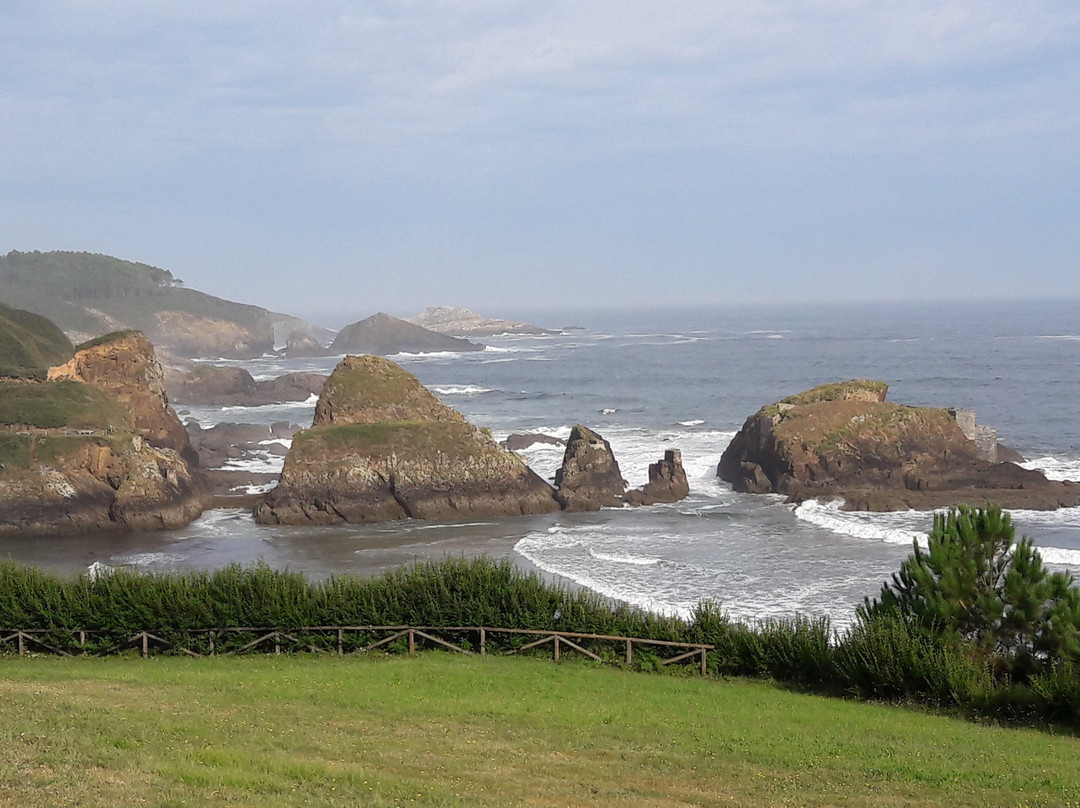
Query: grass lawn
point(446, 730)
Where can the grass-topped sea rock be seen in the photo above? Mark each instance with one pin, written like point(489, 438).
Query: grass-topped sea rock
point(95, 446)
point(845, 440)
point(382, 447)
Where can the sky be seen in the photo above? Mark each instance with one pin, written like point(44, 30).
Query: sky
point(334, 159)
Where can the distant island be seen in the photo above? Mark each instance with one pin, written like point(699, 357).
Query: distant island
point(459, 322)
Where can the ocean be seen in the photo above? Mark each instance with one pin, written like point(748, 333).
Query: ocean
point(686, 379)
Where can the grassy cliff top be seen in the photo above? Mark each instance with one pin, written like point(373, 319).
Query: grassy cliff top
point(64, 286)
point(371, 389)
point(58, 405)
point(30, 344)
point(857, 389)
point(406, 439)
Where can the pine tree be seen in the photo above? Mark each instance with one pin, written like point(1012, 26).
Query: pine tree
point(974, 583)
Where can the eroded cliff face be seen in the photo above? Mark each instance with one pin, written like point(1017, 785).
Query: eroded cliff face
point(845, 441)
point(126, 366)
point(98, 449)
point(382, 447)
point(196, 335)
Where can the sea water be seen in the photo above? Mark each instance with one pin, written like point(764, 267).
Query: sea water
point(687, 379)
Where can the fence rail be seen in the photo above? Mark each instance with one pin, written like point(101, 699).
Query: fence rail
point(340, 640)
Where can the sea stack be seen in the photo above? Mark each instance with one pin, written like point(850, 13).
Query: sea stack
point(589, 478)
point(383, 447)
point(846, 441)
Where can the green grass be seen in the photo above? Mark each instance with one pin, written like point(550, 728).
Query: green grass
point(30, 344)
point(442, 730)
point(52, 405)
point(412, 438)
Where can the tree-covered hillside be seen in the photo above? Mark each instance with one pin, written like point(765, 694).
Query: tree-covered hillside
point(30, 344)
point(87, 294)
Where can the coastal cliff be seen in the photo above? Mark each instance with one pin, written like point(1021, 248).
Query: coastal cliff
point(96, 447)
point(88, 295)
point(846, 441)
point(382, 447)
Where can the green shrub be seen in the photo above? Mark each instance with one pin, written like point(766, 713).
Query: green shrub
point(973, 583)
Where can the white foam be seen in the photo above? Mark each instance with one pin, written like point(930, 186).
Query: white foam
point(1069, 337)
point(609, 411)
point(307, 403)
point(565, 552)
point(624, 558)
point(97, 571)
point(460, 390)
point(906, 527)
point(258, 462)
point(1055, 468)
point(896, 527)
point(695, 422)
point(286, 442)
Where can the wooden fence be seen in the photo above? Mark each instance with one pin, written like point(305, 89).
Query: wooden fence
point(358, 640)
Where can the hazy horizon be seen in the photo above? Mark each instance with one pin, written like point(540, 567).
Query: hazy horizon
point(514, 156)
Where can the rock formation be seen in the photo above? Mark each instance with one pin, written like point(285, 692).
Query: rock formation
point(518, 441)
point(845, 440)
point(459, 322)
point(232, 386)
point(301, 344)
point(589, 478)
point(667, 482)
point(96, 447)
point(384, 335)
point(382, 447)
point(124, 364)
point(198, 335)
point(88, 295)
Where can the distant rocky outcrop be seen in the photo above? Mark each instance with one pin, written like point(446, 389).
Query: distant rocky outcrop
point(383, 335)
point(459, 322)
point(286, 326)
point(226, 385)
point(88, 295)
point(96, 447)
point(231, 455)
point(845, 441)
point(589, 478)
point(301, 344)
point(382, 447)
point(518, 442)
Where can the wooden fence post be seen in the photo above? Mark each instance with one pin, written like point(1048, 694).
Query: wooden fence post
point(145, 645)
point(412, 643)
point(483, 641)
point(340, 641)
point(629, 652)
point(704, 663)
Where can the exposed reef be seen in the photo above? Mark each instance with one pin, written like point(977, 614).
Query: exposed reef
point(846, 441)
point(232, 386)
